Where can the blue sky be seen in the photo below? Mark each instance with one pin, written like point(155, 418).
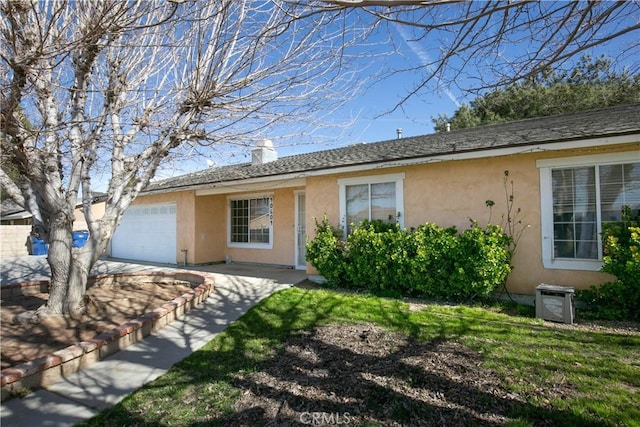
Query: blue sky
point(376, 114)
point(380, 118)
point(373, 116)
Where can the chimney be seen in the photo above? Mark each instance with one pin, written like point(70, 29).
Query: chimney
point(399, 132)
point(263, 153)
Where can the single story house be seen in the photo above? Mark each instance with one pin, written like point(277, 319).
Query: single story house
point(570, 174)
point(13, 214)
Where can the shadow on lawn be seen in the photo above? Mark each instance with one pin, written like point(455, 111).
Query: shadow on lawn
point(326, 370)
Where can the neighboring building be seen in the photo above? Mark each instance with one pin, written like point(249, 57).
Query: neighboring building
point(16, 222)
point(570, 174)
point(12, 214)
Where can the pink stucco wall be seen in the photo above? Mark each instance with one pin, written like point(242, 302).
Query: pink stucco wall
point(453, 192)
point(446, 193)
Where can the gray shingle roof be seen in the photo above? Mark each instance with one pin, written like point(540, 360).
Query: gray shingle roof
point(8, 207)
point(607, 122)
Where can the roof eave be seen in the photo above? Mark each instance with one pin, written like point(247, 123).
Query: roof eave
point(605, 140)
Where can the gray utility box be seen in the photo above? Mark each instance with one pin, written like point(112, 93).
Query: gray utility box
point(555, 303)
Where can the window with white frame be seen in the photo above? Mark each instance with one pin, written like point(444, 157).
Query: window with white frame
point(371, 198)
point(251, 222)
point(579, 195)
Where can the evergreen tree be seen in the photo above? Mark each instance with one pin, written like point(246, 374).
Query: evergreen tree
point(591, 84)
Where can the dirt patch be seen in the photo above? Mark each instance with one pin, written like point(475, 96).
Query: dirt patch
point(109, 305)
point(366, 375)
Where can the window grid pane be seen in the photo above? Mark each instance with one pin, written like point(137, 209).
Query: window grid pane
point(251, 220)
point(585, 196)
point(575, 230)
point(260, 221)
point(383, 201)
point(357, 204)
point(619, 186)
point(370, 202)
point(239, 221)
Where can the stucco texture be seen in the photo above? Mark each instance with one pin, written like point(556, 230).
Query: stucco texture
point(447, 193)
point(454, 192)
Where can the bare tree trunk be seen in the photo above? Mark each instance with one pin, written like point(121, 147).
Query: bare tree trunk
point(60, 261)
point(80, 268)
point(70, 269)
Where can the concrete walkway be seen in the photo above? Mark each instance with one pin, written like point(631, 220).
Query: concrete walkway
point(78, 397)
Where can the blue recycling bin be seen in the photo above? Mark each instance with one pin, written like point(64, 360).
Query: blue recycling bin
point(79, 239)
point(38, 246)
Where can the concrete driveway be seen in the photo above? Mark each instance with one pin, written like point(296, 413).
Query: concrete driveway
point(238, 287)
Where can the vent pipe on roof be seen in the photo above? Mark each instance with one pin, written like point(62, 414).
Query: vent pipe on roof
point(448, 127)
point(263, 153)
point(399, 132)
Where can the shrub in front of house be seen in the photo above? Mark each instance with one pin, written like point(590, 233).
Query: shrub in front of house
point(619, 299)
point(326, 253)
point(481, 262)
point(429, 261)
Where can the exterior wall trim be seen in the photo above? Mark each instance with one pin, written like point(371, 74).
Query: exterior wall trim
point(252, 185)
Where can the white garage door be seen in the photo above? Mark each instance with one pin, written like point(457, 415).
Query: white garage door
point(147, 233)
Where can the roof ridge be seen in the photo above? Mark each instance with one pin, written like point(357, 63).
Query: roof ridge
point(580, 125)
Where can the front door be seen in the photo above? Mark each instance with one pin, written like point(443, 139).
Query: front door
point(301, 232)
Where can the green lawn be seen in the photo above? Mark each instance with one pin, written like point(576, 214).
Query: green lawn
point(561, 375)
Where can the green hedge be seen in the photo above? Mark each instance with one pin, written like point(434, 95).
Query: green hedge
point(429, 262)
point(620, 299)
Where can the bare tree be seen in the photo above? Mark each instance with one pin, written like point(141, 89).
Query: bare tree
point(120, 85)
point(477, 45)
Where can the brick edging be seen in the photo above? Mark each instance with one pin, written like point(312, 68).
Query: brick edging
point(24, 288)
point(45, 370)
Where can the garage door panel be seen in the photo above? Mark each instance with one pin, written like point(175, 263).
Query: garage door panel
point(147, 233)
